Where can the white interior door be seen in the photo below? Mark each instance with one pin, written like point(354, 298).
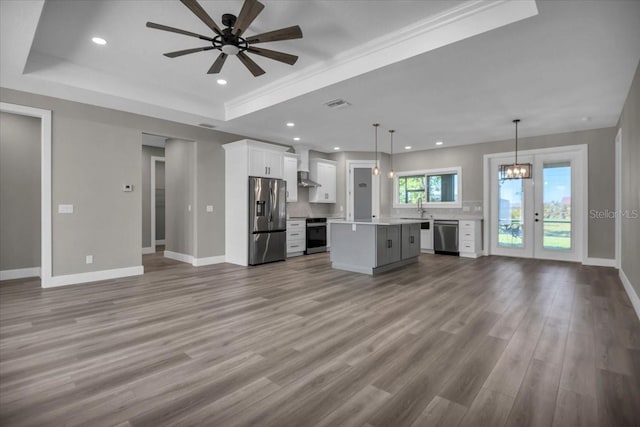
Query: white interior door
point(540, 217)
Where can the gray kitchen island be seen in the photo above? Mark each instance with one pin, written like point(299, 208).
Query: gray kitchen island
point(373, 247)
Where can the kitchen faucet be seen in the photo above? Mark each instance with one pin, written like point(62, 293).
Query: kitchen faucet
point(420, 209)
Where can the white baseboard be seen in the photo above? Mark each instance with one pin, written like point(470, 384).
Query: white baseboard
point(20, 273)
point(160, 242)
point(633, 296)
point(149, 250)
point(179, 257)
point(93, 276)
point(600, 262)
point(198, 262)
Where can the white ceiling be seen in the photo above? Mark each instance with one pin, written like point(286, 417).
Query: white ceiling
point(460, 74)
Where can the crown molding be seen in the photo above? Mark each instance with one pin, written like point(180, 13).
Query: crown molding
point(466, 20)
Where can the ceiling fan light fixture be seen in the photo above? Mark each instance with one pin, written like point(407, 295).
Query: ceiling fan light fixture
point(230, 49)
point(99, 41)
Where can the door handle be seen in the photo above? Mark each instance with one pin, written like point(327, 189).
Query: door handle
point(410, 239)
point(389, 243)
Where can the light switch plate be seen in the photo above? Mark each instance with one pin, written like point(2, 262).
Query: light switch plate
point(89, 259)
point(65, 208)
point(127, 188)
point(209, 208)
point(189, 208)
point(353, 227)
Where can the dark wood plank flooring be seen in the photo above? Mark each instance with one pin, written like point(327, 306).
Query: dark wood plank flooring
point(447, 341)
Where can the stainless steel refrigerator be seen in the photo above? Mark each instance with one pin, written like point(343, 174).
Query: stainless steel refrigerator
point(267, 220)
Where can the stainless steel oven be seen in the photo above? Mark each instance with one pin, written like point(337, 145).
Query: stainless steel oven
point(316, 235)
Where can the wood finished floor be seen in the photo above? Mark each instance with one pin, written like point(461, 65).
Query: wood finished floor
point(447, 341)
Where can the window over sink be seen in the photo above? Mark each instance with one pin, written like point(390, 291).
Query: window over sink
point(433, 188)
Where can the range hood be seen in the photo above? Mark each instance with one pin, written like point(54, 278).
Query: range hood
point(303, 168)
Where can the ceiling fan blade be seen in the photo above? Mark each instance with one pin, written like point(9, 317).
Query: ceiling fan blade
point(187, 51)
point(177, 30)
point(273, 36)
point(217, 65)
point(250, 64)
point(272, 54)
point(250, 10)
point(197, 10)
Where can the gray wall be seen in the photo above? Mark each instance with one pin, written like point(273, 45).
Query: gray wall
point(601, 173)
point(630, 200)
point(180, 178)
point(95, 151)
point(19, 191)
point(145, 189)
point(210, 191)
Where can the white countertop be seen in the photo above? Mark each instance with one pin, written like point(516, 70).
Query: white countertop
point(379, 221)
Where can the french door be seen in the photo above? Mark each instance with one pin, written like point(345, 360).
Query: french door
point(540, 217)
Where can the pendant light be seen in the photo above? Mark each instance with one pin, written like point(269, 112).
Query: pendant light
point(391, 172)
point(516, 170)
point(376, 169)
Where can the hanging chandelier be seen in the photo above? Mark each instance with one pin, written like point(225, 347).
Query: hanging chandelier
point(391, 172)
point(516, 170)
point(376, 168)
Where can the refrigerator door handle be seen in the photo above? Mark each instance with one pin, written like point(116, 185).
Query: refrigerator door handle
point(271, 202)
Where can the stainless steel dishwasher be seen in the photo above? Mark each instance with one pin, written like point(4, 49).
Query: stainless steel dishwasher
point(445, 237)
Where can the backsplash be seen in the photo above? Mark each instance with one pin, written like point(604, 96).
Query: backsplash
point(471, 208)
point(302, 208)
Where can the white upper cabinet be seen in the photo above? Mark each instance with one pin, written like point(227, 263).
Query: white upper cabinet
point(291, 176)
point(266, 163)
point(324, 173)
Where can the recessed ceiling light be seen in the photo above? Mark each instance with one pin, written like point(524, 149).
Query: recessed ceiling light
point(291, 124)
point(336, 148)
point(297, 138)
point(221, 82)
point(407, 147)
point(99, 40)
point(439, 143)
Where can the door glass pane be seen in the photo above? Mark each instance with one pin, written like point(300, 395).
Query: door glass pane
point(510, 213)
point(556, 197)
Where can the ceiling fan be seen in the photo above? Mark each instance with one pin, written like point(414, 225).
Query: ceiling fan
point(229, 41)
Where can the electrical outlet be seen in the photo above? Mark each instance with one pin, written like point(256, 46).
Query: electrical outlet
point(189, 208)
point(89, 259)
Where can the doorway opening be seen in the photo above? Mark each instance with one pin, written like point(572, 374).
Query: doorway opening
point(153, 193)
point(43, 194)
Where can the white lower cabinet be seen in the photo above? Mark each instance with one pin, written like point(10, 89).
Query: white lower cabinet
point(470, 238)
point(296, 238)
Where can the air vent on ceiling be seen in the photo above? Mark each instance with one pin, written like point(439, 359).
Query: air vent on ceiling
point(206, 125)
point(337, 103)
